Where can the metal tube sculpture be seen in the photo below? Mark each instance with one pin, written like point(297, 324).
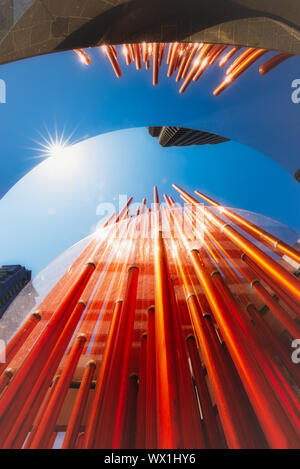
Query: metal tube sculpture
point(155, 337)
point(183, 58)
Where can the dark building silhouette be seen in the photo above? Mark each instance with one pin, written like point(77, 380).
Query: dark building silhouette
point(12, 279)
point(179, 136)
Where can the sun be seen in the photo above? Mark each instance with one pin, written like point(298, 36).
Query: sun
point(54, 146)
point(57, 150)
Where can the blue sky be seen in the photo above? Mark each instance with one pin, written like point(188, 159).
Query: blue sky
point(57, 90)
point(64, 198)
point(55, 205)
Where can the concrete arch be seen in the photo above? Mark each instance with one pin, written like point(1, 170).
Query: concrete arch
point(34, 27)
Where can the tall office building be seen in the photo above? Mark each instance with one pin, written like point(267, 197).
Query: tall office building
point(12, 279)
point(179, 136)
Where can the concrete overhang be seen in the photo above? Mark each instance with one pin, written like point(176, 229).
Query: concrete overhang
point(34, 27)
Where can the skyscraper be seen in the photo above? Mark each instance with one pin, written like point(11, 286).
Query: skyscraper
point(12, 279)
point(179, 136)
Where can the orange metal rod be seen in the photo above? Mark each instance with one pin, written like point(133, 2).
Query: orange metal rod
point(79, 406)
point(190, 75)
point(47, 423)
point(275, 345)
point(216, 54)
point(183, 60)
point(255, 283)
point(173, 59)
point(268, 365)
point(209, 416)
point(100, 390)
point(203, 60)
point(125, 336)
point(19, 338)
point(114, 405)
point(169, 52)
point(162, 48)
point(138, 56)
point(268, 409)
point(227, 56)
point(238, 70)
point(131, 51)
point(114, 62)
point(12, 402)
point(5, 379)
point(41, 412)
point(239, 59)
point(273, 62)
point(150, 429)
point(107, 389)
point(285, 319)
point(124, 210)
point(219, 372)
point(169, 435)
point(190, 57)
point(287, 281)
point(127, 54)
point(192, 432)
point(290, 302)
point(129, 434)
point(31, 406)
point(270, 413)
point(80, 441)
point(258, 233)
point(141, 405)
point(84, 58)
point(155, 63)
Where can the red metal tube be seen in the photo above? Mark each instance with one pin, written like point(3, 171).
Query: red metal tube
point(5, 379)
point(19, 338)
point(84, 58)
point(112, 58)
point(125, 337)
point(155, 63)
point(13, 401)
point(281, 314)
point(127, 54)
point(275, 244)
point(169, 435)
point(72, 432)
point(218, 370)
point(173, 59)
point(290, 302)
point(190, 57)
point(27, 414)
point(243, 55)
point(268, 410)
point(47, 423)
point(169, 52)
point(150, 424)
point(130, 430)
point(227, 56)
point(100, 391)
point(273, 62)
point(238, 70)
point(208, 412)
point(138, 56)
point(216, 54)
point(41, 412)
point(141, 404)
point(272, 372)
point(285, 279)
